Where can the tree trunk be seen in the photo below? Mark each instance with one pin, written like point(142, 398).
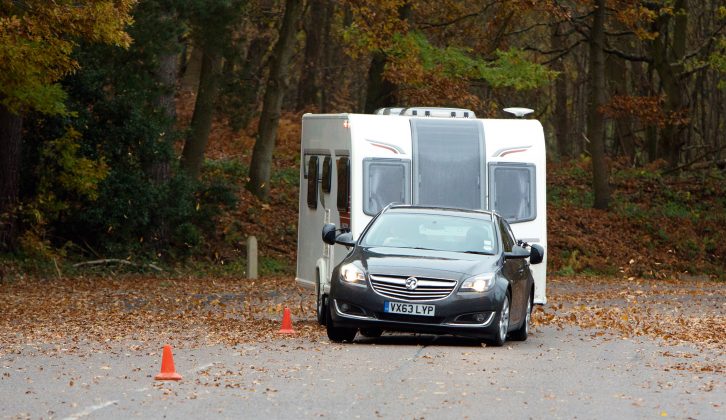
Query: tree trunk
point(595, 120)
point(159, 169)
point(617, 76)
point(562, 114)
point(251, 77)
point(159, 164)
point(259, 183)
point(332, 57)
point(380, 92)
point(196, 143)
point(190, 80)
point(308, 91)
point(166, 76)
point(11, 126)
point(668, 62)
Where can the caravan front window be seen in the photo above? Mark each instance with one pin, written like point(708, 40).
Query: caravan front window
point(512, 191)
point(448, 162)
point(385, 181)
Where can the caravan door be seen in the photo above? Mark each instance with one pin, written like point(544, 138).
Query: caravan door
point(448, 163)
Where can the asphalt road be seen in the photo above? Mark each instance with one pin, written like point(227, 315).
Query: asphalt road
point(567, 373)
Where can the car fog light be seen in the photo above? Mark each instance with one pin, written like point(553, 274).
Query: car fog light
point(344, 307)
point(480, 317)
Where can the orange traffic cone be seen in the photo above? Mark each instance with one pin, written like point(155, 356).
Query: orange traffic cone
point(286, 323)
point(167, 367)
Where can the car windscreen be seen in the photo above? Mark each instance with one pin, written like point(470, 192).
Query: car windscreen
point(432, 231)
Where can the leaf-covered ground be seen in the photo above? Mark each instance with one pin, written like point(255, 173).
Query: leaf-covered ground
point(674, 311)
point(659, 225)
point(72, 315)
point(55, 314)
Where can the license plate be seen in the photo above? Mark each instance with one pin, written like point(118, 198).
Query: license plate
point(408, 308)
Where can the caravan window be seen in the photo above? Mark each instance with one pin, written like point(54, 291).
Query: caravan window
point(327, 174)
point(512, 191)
point(313, 182)
point(343, 198)
point(385, 181)
point(448, 156)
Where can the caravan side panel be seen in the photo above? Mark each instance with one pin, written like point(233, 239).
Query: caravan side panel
point(325, 139)
point(516, 150)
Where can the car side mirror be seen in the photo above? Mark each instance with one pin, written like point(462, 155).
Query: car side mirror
point(329, 233)
point(345, 239)
point(516, 252)
point(536, 254)
point(331, 236)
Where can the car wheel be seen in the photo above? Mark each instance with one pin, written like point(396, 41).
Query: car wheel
point(372, 332)
point(339, 334)
point(522, 332)
point(321, 303)
point(502, 324)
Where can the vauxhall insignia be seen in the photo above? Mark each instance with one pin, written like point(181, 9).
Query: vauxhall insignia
point(411, 283)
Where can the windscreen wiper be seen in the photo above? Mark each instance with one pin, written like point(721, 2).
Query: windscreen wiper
point(478, 252)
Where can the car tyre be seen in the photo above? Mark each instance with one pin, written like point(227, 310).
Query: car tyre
point(321, 303)
point(522, 332)
point(371, 332)
point(502, 324)
point(339, 334)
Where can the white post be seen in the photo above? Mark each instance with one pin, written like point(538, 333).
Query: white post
point(251, 257)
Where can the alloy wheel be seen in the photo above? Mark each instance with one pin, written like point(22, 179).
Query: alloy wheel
point(504, 319)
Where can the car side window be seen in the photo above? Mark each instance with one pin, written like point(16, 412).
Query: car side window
point(510, 233)
point(507, 237)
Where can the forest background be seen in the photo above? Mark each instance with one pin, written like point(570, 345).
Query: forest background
point(160, 133)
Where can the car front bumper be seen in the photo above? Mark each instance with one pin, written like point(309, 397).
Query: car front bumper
point(361, 307)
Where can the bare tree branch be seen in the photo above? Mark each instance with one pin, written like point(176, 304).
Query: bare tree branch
point(529, 28)
point(619, 34)
point(427, 25)
point(701, 157)
point(627, 56)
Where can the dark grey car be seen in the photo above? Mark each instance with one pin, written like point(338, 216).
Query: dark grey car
point(431, 270)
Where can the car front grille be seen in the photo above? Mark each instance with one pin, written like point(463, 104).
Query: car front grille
point(427, 288)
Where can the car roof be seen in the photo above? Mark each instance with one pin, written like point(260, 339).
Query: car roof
point(444, 211)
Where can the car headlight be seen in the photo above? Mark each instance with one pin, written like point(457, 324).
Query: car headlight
point(480, 283)
point(351, 273)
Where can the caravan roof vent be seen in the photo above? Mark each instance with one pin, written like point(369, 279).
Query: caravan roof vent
point(439, 112)
point(519, 112)
point(389, 111)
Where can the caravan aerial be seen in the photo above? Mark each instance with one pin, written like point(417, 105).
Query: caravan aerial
point(353, 165)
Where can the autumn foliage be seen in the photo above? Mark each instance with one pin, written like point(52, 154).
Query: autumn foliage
point(98, 98)
point(37, 41)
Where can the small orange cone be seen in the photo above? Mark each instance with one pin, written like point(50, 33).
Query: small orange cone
point(167, 367)
point(286, 323)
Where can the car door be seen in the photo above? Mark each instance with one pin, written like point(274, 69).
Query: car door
point(515, 270)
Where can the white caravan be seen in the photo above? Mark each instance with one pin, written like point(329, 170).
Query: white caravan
point(353, 165)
